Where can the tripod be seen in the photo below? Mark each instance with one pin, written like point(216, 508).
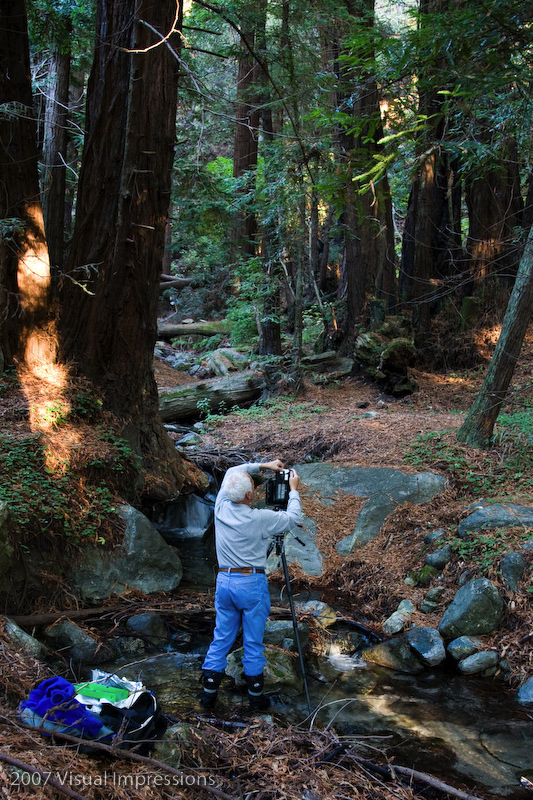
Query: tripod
point(279, 544)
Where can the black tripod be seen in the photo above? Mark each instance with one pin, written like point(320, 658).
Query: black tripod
point(279, 544)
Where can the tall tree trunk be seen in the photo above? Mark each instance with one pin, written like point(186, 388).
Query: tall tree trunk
point(54, 155)
point(431, 241)
point(245, 148)
point(495, 207)
point(27, 332)
point(369, 259)
point(479, 424)
point(110, 294)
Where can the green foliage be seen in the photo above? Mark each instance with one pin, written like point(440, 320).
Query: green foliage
point(478, 473)
point(485, 549)
point(49, 502)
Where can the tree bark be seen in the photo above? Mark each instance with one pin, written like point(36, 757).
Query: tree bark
point(111, 290)
point(479, 424)
point(27, 332)
point(55, 156)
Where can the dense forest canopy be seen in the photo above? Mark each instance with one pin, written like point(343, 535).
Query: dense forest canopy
point(313, 170)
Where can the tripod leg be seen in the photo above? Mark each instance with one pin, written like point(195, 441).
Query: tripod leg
point(295, 626)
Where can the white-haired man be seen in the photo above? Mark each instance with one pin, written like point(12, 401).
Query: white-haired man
point(242, 535)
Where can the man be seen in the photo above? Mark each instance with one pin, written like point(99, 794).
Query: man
point(242, 536)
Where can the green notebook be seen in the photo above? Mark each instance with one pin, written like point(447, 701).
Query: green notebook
point(110, 693)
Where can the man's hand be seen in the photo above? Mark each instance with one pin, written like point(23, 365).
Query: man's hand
point(275, 465)
point(294, 479)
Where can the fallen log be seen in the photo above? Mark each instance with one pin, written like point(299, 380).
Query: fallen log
point(171, 330)
point(214, 395)
point(173, 282)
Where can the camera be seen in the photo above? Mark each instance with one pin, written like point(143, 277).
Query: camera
point(277, 490)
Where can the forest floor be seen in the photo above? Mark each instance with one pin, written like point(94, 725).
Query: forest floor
point(326, 423)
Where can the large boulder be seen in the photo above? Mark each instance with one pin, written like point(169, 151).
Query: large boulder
point(383, 489)
point(477, 608)
point(395, 654)
point(143, 561)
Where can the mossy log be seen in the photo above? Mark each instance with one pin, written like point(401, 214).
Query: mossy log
point(213, 395)
point(171, 330)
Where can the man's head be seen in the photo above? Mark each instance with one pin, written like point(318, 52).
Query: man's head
point(238, 487)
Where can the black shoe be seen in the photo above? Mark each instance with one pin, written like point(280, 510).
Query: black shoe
point(259, 702)
point(208, 699)
point(210, 680)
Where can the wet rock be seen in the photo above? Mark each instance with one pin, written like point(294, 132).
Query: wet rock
point(483, 662)
point(463, 646)
point(77, 644)
point(525, 693)
point(143, 561)
point(150, 627)
point(477, 608)
point(394, 654)
point(440, 558)
point(513, 566)
point(396, 622)
point(495, 516)
point(280, 671)
point(427, 644)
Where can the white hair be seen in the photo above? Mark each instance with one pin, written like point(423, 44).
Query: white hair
point(236, 485)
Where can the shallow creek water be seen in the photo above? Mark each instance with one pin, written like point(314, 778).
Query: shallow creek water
point(461, 730)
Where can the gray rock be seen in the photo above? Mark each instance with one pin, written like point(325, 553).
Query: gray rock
point(384, 489)
point(513, 566)
point(144, 561)
point(440, 558)
point(495, 516)
point(150, 626)
point(432, 536)
point(478, 662)
point(190, 440)
point(279, 631)
point(427, 644)
point(525, 693)
point(28, 644)
point(396, 622)
point(463, 646)
point(83, 648)
point(394, 654)
point(477, 608)
point(432, 599)
point(528, 546)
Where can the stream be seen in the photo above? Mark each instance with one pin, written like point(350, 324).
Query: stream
point(463, 730)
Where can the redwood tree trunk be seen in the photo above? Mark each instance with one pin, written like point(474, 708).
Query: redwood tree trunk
point(55, 156)
point(110, 294)
point(26, 332)
point(246, 142)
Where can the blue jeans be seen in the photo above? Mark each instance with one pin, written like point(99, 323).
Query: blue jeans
point(239, 598)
